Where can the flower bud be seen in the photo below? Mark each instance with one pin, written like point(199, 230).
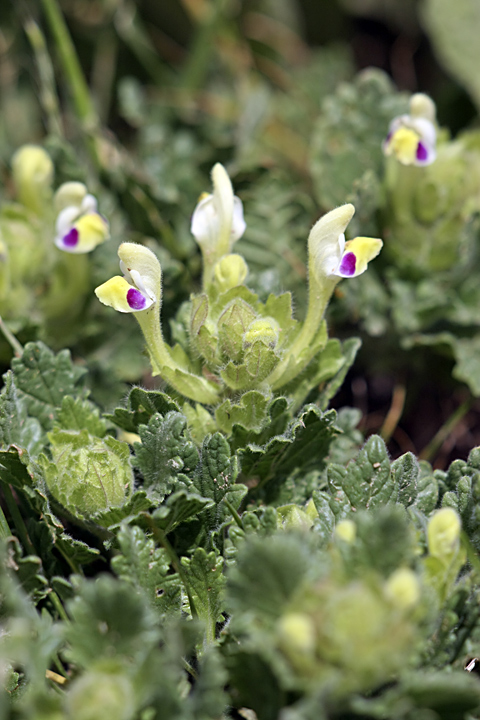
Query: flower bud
point(297, 633)
point(263, 330)
point(403, 589)
point(101, 694)
point(32, 171)
point(443, 533)
point(346, 530)
point(229, 272)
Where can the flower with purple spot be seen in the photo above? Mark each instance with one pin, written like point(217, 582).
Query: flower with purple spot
point(79, 227)
point(412, 137)
point(133, 292)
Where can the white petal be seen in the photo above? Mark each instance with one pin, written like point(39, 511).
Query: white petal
point(205, 221)
point(238, 223)
point(89, 204)
point(65, 219)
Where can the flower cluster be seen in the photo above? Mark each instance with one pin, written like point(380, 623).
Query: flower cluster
point(242, 344)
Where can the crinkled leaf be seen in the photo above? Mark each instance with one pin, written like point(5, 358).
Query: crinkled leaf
point(147, 568)
point(80, 414)
point(15, 425)
point(304, 445)
point(164, 452)
point(250, 413)
point(178, 508)
point(215, 477)
point(367, 480)
point(108, 619)
point(44, 378)
point(141, 405)
point(204, 574)
point(405, 472)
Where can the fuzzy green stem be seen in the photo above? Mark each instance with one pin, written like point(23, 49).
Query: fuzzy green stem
point(189, 385)
point(318, 297)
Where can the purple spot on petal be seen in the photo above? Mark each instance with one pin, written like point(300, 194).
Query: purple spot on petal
point(422, 152)
point(347, 266)
point(135, 299)
point(71, 238)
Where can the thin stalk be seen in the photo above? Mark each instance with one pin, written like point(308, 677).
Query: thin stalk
point(430, 450)
point(58, 606)
point(48, 93)
point(11, 339)
point(18, 520)
point(5, 531)
point(77, 85)
point(287, 369)
point(234, 513)
point(394, 414)
point(202, 48)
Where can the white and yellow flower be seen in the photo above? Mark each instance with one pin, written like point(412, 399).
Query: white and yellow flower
point(79, 226)
point(412, 137)
point(139, 288)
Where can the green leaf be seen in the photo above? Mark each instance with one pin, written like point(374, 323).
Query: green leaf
point(147, 569)
point(79, 414)
point(209, 698)
point(43, 379)
point(427, 490)
point(467, 356)
point(164, 452)
point(405, 471)
point(108, 619)
point(367, 481)
point(204, 574)
point(250, 413)
point(268, 573)
point(350, 348)
point(215, 478)
point(304, 445)
point(28, 571)
point(325, 366)
point(113, 517)
point(178, 508)
point(454, 31)
point(141, 405)
point(15, 425)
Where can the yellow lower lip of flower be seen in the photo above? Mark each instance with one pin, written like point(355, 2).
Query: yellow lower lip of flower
point(364, 249)
point(403, 145)
point(92, 231)
point(121, 296)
